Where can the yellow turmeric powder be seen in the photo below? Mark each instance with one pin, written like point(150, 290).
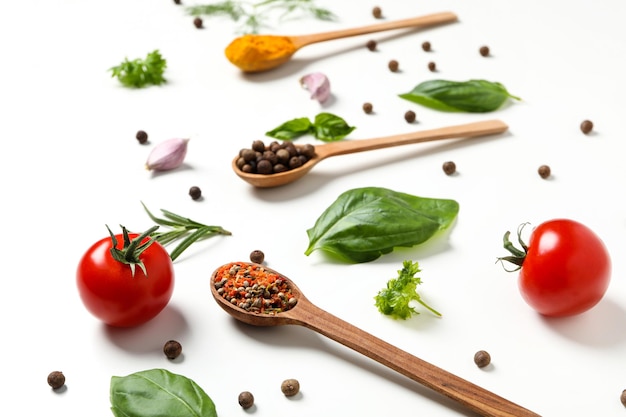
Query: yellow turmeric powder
point(254, 53)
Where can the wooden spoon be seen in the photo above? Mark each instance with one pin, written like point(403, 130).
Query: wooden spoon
point(306, 314)
point(469, 130)
point(255, 53)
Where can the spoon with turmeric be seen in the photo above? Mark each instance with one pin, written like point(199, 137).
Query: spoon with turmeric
point(256, 53)
point(344, 147)
point(235, 287)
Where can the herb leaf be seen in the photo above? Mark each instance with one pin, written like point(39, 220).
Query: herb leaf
point(473, 96)
point(158, 392)
point(395, 299)
point(365, 223)
point(291, 129)
point(329, 127)
point(140, 73)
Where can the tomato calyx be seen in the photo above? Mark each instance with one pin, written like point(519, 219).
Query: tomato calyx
point(517, 256)
point(132, 249)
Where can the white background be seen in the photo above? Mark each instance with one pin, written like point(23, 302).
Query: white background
point(71, 164)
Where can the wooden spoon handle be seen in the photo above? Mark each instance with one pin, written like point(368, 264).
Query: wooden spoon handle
point(478, 399)
point(483, 128)
point(428, 20)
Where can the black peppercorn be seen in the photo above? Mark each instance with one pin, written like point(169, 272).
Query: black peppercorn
point(484, 50)
point(586, 126)
point(290, 387)
point(368, 108)
point(257, 256)
point(409, 116)
point(197, 22)
point(449, 167)
point(544, 171)
point(426, 46)
point(377, 12)
point(432, 66)
point(172, 349)
point(482, 358)
point(56, 379)
point(142, 136)
point(371, 45)
point(246, 399)
point(195, 193)
point(393, 65)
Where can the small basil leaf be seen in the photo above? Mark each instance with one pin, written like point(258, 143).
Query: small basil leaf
point(291, 129)
point(365, 223)
point(330, 128)
point(159, 393)
point(473, 96)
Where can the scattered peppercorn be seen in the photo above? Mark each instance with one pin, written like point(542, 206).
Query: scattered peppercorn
point(142, 136)
point(246, 399)
point(273, 158)
point(371, 45)
point(426, 46)
point(368, 108)
point(482, 358)
point(56, 379)
point(432, 66)
point(195, 193)
point(544, 171)
point(197, 22)
point(586, 126)
point(484, 50)
point(377, 12)
point(257, 256)
point(172, 349)
point(176, 1)
point(409, 116)
point(623, 398)
point(449, 167)
point(290, 387)
point(393, 65)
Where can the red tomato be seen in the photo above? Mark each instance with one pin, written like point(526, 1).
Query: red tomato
point(115, 295)
point(565, 268)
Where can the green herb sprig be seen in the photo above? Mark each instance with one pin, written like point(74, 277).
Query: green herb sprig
point(256, 16)
point(326, 127)
point(140, 73)
point(183, 228)
point(395, 299)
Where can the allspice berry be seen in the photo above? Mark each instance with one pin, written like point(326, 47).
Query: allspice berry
point(426, 46)
point(484, 50)
point(197, 22)
point(623, 398)
point(141, 136)
point(195, 193)
point(409, 116)
point(586, 126)
point(432, 66)
point(172, 349)
point(371, 45)
point(56, 379)
point(246, 399)
point(290, 387)
point(482, 358)
point(393, 65)
point(544, 171)
point(257, 256)
point(368, 108)
point(449, 167)
point(377, 12)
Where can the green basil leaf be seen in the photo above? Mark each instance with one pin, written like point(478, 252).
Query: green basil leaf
point(365, 223)
point(159, 393)
point(473, 96)
point(330, 128)
point(291, 129)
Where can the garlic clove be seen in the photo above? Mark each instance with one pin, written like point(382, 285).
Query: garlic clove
point(167, 155)
point(318, 84)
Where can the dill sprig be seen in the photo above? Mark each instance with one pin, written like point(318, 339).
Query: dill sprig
point(255, 16)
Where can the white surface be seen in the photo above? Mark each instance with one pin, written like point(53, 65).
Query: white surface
point(71, 165)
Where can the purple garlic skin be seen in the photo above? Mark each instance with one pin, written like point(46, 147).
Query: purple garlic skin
point(318, 84)
point(167, 155)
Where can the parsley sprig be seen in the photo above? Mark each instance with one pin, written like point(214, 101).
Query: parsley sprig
point(256, 16)
point(139, 72)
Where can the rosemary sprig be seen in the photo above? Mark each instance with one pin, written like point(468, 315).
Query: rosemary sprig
point(255, 16)
point(190, 231)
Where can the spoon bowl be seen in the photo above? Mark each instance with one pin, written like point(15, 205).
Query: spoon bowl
point(306, 314)
point(257, 53)
point(468, 130)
